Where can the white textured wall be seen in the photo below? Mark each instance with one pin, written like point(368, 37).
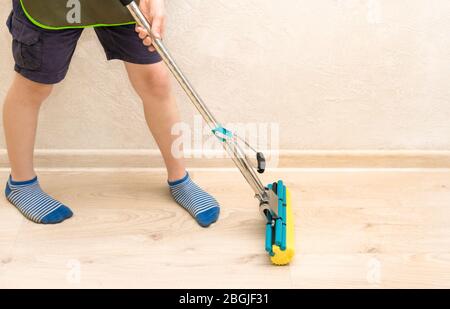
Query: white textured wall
point(336, 74)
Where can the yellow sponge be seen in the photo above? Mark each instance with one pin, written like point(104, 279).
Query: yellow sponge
point(285, 257)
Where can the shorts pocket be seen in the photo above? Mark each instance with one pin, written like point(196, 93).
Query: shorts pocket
point(27, 45)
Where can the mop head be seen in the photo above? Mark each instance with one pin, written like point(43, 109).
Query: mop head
point(280, 229)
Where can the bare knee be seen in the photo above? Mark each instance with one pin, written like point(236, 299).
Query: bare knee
point(25, 91)
point(153, 83)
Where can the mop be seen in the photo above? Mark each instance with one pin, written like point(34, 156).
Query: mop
point(274, 199)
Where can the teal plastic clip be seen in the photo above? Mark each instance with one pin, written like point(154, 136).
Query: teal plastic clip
point(222, 133)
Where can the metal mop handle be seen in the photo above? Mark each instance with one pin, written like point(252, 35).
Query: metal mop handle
point(237, 153)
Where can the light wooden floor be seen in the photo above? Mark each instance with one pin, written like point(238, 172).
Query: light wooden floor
point(354, 230)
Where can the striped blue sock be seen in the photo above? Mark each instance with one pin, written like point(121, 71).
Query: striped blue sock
point(202, 206)
point(34, 203)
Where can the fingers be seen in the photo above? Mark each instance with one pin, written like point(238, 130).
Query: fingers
point(158, 29)
point(146, 39)
point(141, 32)
point(154, 11)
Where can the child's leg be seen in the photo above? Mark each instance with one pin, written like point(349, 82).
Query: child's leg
point(150, 79)
point(152, 83)
point(42, 59)
point(20, 117)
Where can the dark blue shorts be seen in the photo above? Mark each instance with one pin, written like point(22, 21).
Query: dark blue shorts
point(44, 55)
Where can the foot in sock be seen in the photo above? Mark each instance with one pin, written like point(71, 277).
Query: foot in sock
point(202, 206)
point(34, 203)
